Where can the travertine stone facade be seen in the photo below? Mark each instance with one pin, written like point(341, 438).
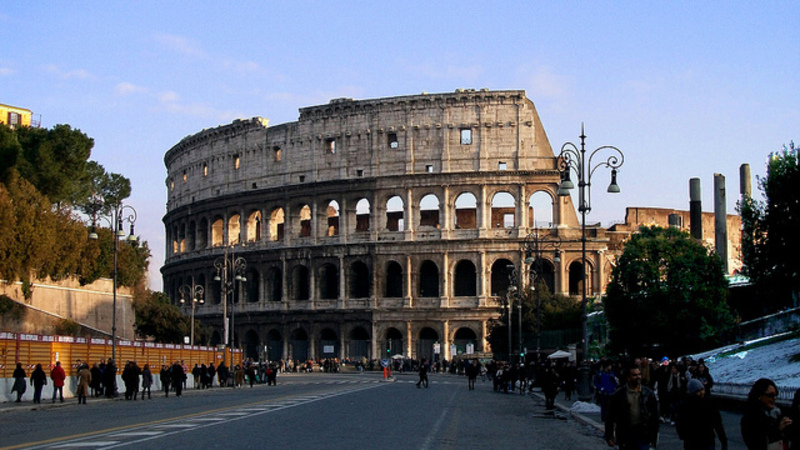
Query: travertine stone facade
point(371, 227)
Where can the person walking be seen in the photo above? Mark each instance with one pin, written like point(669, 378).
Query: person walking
point(84, 381)
point(632, 421)
point(20, 382)
point(38, 381)
point(147, 381)
point(165, 378)
point(97, 380)
point(763, 422)
point(473, 369)
point(550, 384)
point(698, 421)
point(58, 376)
point(423, 374)
point(605, 384)
point(110, 379)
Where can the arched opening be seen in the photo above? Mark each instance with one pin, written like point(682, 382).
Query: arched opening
point(576, 279)
point(545, 274)
point(429, 211)
point(275, 285)
point(395, 218)
point(328, 282)
point(394, 280)
point(251, 345)
point(359, 343)
point(213, 292)
point(466, 279)
point(276, 225)
point(333, 218)
point(504, 207)
point(501, 277)
point(359, 280)
point(428, 279)
point(298, 345)
point(427, 338)
point(328, 343)
point(300, 288)
point(362, 215)
point(234, 229)
point(191, 236)
point(254, 226)
point(274, 345)
point(305, 221)
point(466, 211)
point(464, 340)
point(394, 342)
point(252, 286)
point(540, 210)
point(182, 238)
point(202, 235)
point(217, 230)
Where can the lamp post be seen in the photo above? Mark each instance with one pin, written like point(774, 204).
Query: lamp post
point(510, 294)
point(116, 217)
point(573, 158)
point(230, 269)
point(532, 247)
point(195, 292)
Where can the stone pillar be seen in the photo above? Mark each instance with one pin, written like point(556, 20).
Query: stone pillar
point(446, 287)
point(695, 209)
point(720, 220)
point(409, 341)
point(744, 180)
point(482, 295)
point(409, 299)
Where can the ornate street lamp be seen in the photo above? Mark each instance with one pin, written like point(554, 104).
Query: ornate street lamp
point(532, 247)
point(573, 160)
point(116, 218)
point(230, 269)
point(195, 292)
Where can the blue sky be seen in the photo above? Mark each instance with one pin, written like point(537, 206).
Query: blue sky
point(684, 89)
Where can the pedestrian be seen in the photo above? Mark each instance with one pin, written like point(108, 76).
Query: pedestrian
point(211, 373)
point(550, 384)
point(196, 376)
point(147, 381)
point(165, 378)
point(792, 433)
point(20, 382)
point(251, 374)
point(110, 379)
point(763, 423)
point(605, 384)
point(84, 381)
point(676, 388)
point(127, 380)
point(222, 374)
point(473, 369)
point(704, 377)
point(238, 376)
point(38, 381)
point(178, 378)
point(698, 420)
point(97, 380)
point(423, 375)
point(632, 421)
point(58, 376)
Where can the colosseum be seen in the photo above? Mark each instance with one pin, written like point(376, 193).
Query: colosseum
point(371, 227)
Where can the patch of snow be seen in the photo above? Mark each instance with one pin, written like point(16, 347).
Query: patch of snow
point(585, 408)
point(745, 367)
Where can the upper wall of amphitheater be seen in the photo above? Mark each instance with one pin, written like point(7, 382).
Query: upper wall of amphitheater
point(466, 131)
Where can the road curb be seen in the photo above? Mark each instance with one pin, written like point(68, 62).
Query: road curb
point(575, 415)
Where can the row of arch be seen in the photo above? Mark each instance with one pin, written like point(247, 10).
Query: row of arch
point(300, 345)
point(358, 282)
point(251, 226)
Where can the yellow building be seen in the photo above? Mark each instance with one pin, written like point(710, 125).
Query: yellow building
point(14, 116)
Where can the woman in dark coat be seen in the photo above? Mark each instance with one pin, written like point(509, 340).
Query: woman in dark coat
point(38, 380)
point(165, 378)
point(763, 423)
point(97, 380)
point(698, 421)
point(20, 384)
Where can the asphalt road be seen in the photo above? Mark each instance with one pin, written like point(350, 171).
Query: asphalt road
point(330, 411)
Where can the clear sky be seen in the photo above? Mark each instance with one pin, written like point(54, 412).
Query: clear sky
point(684, 89)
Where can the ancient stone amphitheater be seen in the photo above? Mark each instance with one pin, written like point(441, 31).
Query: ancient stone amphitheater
point(371, 227)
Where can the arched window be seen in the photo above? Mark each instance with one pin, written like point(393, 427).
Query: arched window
point(464, 337)
point(333, 218)
point(395, 218)
point(234, 229)
point(274, 345)
point(276, 225)
point(274, 285)
point(359, 343)
point(300, 281)
point(429, 211)
point(254, 226)
point(362, 215)
point(466, 211)
point(298, 344)
point(427, 338)
point(428, 279)
point(328, 343)
point(328, 282)
point(504, 208)
point(501, 273)
point(576, 279)
point(191, 234)
point(359, 280)
point(466, 279)
point(540, 210)
point(202, 235)
point(252, 286)
point(305, 221)
point(394, 342)
point(217, 230)
point(394, 280)
point(251, 345)
point(545, 274)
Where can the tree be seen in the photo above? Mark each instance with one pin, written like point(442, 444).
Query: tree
point(667, 294)
point(158, 318)
point(770, 241)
